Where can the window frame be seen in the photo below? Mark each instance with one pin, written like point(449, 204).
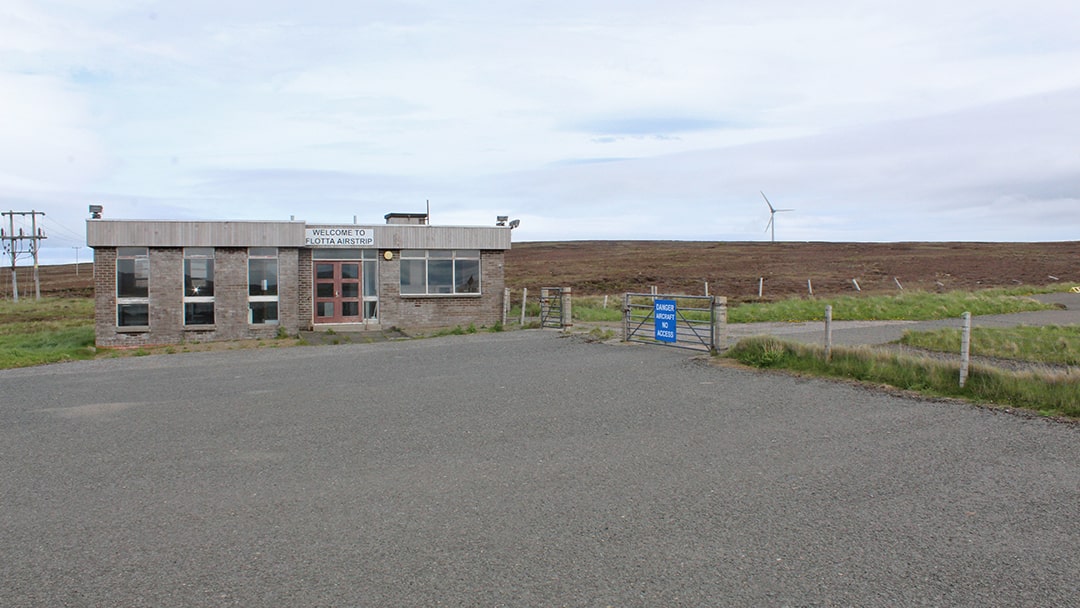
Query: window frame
point(265, 253)
point(439, 261)
point(140, 256)
point(191, 302)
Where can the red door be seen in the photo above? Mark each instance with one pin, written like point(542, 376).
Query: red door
point(337, 292)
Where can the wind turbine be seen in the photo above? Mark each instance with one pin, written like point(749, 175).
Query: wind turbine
point(772, 216)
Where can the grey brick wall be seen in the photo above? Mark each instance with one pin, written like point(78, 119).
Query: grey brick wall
point(166, 291)
point(306, 303)
point(434, 312)
point(295, 301)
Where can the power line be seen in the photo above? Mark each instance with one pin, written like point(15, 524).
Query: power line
point(72, 233)
point(34, 238)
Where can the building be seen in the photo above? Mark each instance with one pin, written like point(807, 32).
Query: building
point(167, 282)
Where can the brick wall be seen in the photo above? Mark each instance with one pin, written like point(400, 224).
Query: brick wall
point(305, 295)
point(295, 302)
point(434, 312)
point(166, 292)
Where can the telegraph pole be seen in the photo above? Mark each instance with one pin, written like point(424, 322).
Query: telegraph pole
point(12, 242)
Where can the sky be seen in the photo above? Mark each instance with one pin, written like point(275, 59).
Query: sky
point(585, 119)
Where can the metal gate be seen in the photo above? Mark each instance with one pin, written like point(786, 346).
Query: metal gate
point(551, 307)
point(696, 322)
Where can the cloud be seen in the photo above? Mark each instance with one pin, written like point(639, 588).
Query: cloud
point(603, 119)
point(655, 126)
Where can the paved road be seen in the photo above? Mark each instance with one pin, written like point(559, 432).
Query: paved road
point(854, 333)
point(517, 469)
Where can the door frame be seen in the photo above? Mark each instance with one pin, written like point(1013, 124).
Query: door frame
point(337, 300)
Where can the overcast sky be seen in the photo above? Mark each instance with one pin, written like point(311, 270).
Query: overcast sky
point(873, 121)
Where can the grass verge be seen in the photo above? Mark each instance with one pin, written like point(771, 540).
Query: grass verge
point(33, 332)
point(1048, 393)
point(909, 305)
point(1053, 344)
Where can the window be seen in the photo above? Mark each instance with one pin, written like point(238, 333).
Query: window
point(199, 286)
point(371, 284)
point(132, 287)
point(263, 286)
point(440, 272)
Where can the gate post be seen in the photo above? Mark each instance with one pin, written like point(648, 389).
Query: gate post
point(567, 318)
point(719, 326)
point(545, 306)
point(506, 305)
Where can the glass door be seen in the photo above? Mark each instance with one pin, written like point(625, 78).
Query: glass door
point(337, 292)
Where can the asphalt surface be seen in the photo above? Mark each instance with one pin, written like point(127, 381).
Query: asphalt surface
point(517, 469)
point(856, 333)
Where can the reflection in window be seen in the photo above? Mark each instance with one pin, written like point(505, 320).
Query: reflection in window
point(263, 285)
point(440, 271)
point(199, 286)
point(132, 287)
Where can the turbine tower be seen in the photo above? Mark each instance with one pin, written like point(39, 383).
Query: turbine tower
point(772, 216)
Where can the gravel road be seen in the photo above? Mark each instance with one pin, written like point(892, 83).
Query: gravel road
point(517, 469)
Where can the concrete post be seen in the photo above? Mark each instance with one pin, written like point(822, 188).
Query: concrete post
point(524, 299)
point(506, 305)
point(719, 328)
point(567, 317)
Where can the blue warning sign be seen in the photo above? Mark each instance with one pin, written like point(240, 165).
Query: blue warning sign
point(664, 314)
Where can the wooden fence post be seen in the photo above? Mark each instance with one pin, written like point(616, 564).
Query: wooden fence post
point(828, 334)
point(965, 347)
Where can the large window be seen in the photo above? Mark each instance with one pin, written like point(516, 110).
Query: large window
point(199, 286)
point(263, 285)
point(440, 271)
point(132, 287)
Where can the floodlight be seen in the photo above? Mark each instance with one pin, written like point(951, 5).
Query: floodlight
point(515, 224)
point(95, 211)
point(501, 220)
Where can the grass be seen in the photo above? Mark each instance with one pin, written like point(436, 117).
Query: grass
point(910, 305)
point(1052, 344)
point(1048, 393)
point(33, 332)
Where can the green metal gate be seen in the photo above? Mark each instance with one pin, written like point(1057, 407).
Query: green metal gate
point(551, 308)
point(700, 321)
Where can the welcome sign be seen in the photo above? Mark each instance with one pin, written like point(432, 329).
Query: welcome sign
point(349, 236)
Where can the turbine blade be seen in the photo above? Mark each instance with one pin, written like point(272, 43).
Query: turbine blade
point(769, 225)
point(767, 201)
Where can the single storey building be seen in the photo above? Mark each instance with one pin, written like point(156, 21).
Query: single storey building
point(165, 282)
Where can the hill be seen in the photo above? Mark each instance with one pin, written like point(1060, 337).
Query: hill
point(731, 269)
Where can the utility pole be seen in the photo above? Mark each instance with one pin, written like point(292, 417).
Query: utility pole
point(12, 242)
